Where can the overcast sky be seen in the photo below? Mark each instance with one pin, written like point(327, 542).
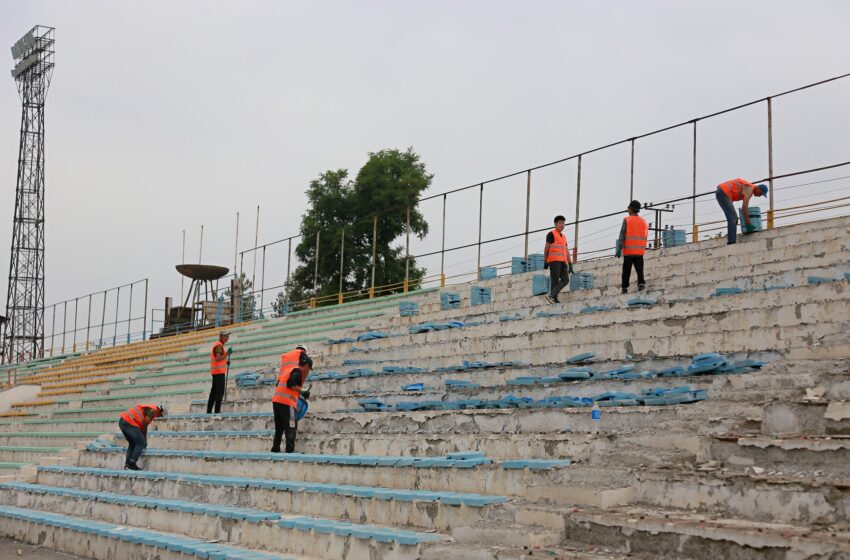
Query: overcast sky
point(163, 116)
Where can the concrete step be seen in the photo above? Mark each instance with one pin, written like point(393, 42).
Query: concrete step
point(824, 454)
point(244, 527)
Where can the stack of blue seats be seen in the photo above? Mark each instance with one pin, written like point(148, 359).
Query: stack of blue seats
point(535, 261)
point(672, 237)
point(480, 296)
point(248, 379)
point(408, 308)
point(430, 326)
point(581, 281)
point(372, 335)
point(518, 265)
point(540, 284)
point(449, 300)
point(487, 273)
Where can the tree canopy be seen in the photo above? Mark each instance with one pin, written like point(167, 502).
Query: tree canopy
point(387, 185)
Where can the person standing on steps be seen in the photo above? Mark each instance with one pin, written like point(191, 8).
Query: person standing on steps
point(557, 257)
point(134, 425)
point(285, 401)
point(631, 245)
point(732, 191)
point(218, 371)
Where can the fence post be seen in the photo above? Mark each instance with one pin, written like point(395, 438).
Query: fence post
point(102, 319)
point(632, 174)
point(254, 250)
point(695, 228)
point(145, 312)
point(770, 160)
point(286, 285)
point(64, 323)
point(480, 218)
point(407, 252)
point(443, 247)
point(263, 282)
point(527, 210)
point(115, 323)
point(88, 324)
point(341, 264)
point(52, 331)
point(578, 202)
point(316, 267)
point(76, 309)
point(130, 314)
point(374, 254)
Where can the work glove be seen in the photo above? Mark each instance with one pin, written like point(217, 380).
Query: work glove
point(619, 253)
point(570, 267)
point(545, 266)
point(305, 394)
point(230, 351)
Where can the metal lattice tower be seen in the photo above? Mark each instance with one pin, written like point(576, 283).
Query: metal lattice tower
point(23, 337)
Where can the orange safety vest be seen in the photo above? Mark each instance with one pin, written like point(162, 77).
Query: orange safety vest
point(558, 249)
point(218, 366)
point(282, 393)
point(734, 188)
point(290, 359)
point(136, 416)
point(637, 231)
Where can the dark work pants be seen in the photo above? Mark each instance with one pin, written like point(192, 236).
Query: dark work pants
point(283, 415)
point(559, 276)
point(216, 393)
point(136, 441)
point(628, 262)
point(731, 216)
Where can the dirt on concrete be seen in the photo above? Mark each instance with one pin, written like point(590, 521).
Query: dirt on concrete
point(12, 550)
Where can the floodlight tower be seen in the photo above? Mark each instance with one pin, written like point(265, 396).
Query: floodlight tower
point(23, 337)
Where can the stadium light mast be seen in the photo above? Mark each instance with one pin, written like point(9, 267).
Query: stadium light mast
point(23, 335)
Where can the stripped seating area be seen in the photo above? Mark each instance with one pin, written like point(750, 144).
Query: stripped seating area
point(704, 419)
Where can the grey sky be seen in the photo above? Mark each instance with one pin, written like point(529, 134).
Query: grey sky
point(163, 116)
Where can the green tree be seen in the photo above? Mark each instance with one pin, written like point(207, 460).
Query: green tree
point(389, 183)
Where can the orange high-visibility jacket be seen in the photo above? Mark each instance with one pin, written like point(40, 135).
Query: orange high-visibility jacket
point(558, 249)
point(282, 393)
point(136, 416)
point(637, 231)
point(734, 188)
point(218, 366)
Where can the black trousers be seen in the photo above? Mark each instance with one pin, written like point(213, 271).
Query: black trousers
point(216, 393)
point(628, 262)
point(559, 277)
point(284, 424)
point(136, 441)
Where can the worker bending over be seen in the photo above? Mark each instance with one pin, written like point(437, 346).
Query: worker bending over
point(557, 257)
point(631, 245)
point(732, 191)
point(294, 370)
point(219, 361)
point(134, 425)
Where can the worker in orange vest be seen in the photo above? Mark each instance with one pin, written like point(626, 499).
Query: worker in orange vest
point(285, 400)
point(557, 260)
point(734, 190)
point(219, 358)
point(631, 245)
point(134, 425)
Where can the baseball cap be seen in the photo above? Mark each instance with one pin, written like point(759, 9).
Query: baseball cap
point(763, 188)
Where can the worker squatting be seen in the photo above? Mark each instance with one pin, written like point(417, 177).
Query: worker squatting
point(289, 402)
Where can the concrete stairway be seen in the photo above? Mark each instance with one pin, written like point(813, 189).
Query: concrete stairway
point(756, 470)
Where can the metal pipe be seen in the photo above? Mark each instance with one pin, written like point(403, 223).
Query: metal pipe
point(341, 262)
point(52, 331)
point(130, 314)
point(64, 324)
point(256, 242)
point(103, 317)
point(527, 211)
point(88, 324)
point(182, 278)
point(578, 202)
point(632, 174)
point(770, 160)
point(236, 245)
point(443, 247)
point(145, 312)
point(288, 263)
point(374, 253)
point(115, 323)
point(407, 252)
point(263, 281)
point(201, 246)
point(694, 230)
point(76, 309)
point(316, 267)
point(480, 217)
